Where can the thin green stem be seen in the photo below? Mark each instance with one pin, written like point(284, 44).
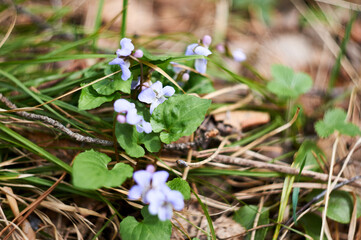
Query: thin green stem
point(124, 19)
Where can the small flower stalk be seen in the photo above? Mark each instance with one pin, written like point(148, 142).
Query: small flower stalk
point(123, 53)
point(151, 188)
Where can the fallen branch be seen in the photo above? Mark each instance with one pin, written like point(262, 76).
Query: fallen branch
point(55, 124)
point(278, 168)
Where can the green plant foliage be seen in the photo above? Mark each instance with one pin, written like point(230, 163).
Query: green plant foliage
point(288, 84)
point(114, 83)
point(335, 120)
point(130, 140)
point(312, 224)
point(246, 215)
point(341, 206)
point(90, 171)
point(181, 186)
point(305, 153)
point(89, 99)
point(151, 228)
point(179, 116)
point(150, 57)
point(198, 84)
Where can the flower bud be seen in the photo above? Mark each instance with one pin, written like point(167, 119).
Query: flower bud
point(185, 76)
point(138, 53)
point(207, 40)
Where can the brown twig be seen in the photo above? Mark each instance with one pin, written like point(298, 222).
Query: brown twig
point(55, 124)
point(278, 168)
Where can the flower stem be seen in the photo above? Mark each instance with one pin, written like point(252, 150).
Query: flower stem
point(124, 19)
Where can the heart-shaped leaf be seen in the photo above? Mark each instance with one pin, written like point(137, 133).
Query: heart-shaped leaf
point(179, 116)
point(90, 99)
point(151, 228)
point(335, 120)
point(287, 83)
point(181, 186)
point(112, 84)
point(90, 171)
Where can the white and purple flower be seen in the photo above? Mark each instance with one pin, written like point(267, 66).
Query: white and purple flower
point(239, 55)
point(155, 94)
point(128, 114)
point(122, 54)
point(151, 188)
point(197, 49)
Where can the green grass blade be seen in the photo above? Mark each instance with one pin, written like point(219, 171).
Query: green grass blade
point(35, 148)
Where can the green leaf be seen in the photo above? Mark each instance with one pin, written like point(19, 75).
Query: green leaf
point(89, 99)
point(287, 83)
point(198, 84)
point(114, 83)
point(179, 116)
point(150, 57)
point(151, 228)
point(305, 153)
point(246, 215)
point(181, 186)
point(151, 141)
point(295, 194)
point(127, 137)
point(90, 171)
point(312, 224)
point(341, 206)
point(334, 120)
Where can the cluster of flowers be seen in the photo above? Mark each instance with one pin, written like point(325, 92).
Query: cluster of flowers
point(154, 94)
point(151, 188)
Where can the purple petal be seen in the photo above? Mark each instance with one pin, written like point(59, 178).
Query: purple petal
point(150, 168)
point(142, 178)
point(147, 96)
point(135, 192)
point(165, 212)
point(125, 70)
point(155, 104)
point(207, 40)
point(190, 49)
point(135, 84)
point(168, 91)
point(127, 47)
point(147, 127)
point(132, 117)
point(159, 179)
point(202, 51)
point(116, 61)
point(155, 199)
point(157, 86)
point(122, 105)
point(239, 55)
point(201, 65)
point(176, 199)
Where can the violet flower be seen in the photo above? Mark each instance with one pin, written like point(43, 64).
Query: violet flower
point(128, 109)
point(126, 49)
point(143, 126)
point(155, 94)
point(197, 49)
point(128, 114)
point(162, 202)
point(151, 188)
point(239, 55)
point(147, 182)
